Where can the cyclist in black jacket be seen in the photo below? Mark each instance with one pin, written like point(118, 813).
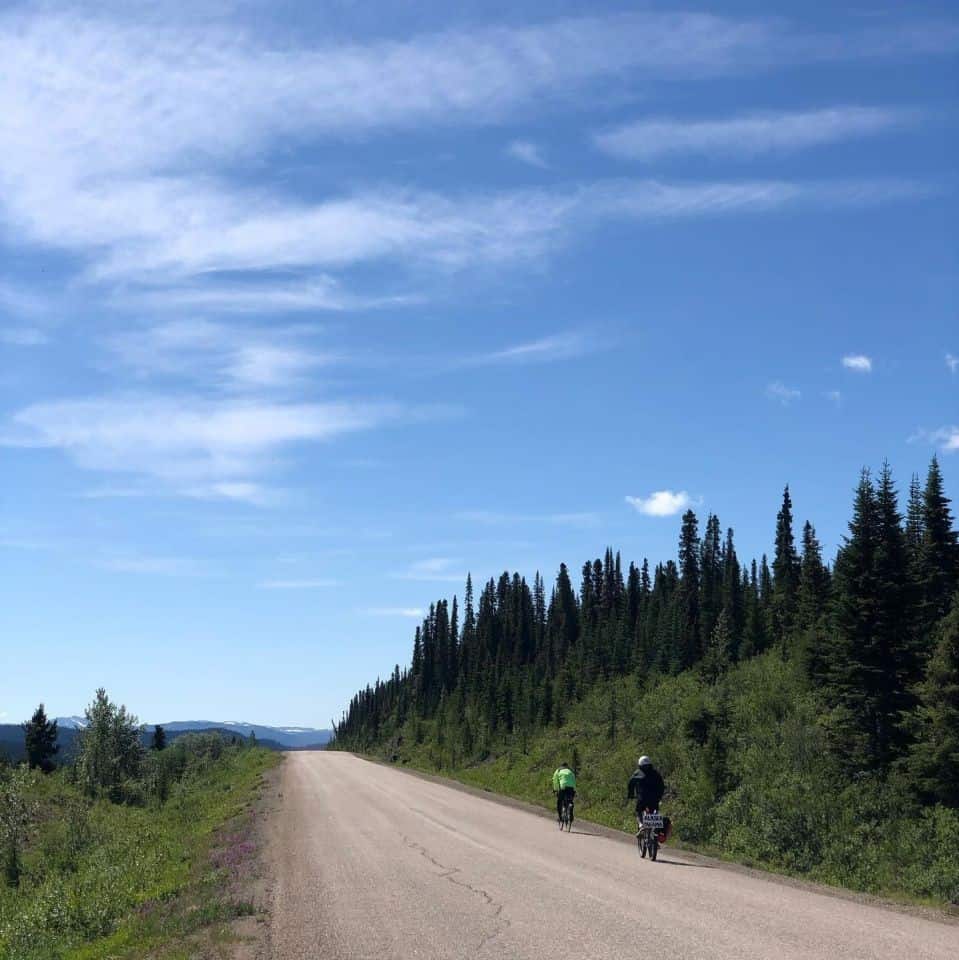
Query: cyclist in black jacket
point(646, 786)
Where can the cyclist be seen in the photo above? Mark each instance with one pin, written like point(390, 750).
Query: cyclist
point(564, 786)
point(646, 786)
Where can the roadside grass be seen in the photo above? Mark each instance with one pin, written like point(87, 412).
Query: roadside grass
point(104, 881)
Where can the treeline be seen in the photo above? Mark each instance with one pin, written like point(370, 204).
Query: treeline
point(874, 638)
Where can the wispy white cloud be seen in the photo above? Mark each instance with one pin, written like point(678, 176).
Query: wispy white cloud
point(858, 362)
point(119, 147)
point(495, 518)
point(193, 446)
point(113, 492)
point(314, 584)
point(266, 365)
point(560, 346)
point(150, 565)
point(945, 438)
point(952, 362)
point(193, 229)
point(662, 503)
point(238, 491)
point(777, 390)
point(23, 336)
point(324, 293)
point(217, 354)
point(413, 613)
point(527, 152)
point(583, 519)
point(750, 134)
point(434, 569)
point(17, 300)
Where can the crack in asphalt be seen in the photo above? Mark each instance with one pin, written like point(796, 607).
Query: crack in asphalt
point(449, 873)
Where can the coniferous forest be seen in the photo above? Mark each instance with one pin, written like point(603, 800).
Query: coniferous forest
point(805, 714)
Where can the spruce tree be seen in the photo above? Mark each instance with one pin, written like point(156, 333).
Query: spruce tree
point(711, 578)
point(733, 600)
point(813, 590)
point(902, 668)
point(689, 593)
point(939, 553)
point(754, 634)
point(786, 570)
point(766, 598)
point(159, 738)
point(40, 740)
point(812, 608)
point(914, 517)
point(934, 761)
point(855, 669)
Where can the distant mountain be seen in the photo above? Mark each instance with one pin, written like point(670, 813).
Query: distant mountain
point(289, 738)
point(12, 744)
point(71, 723)
point(276, 738)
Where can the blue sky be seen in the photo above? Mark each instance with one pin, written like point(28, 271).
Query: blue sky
point(304, 315)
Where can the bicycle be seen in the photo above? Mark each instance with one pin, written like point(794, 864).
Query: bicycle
point(566, 814)
point(652, 828)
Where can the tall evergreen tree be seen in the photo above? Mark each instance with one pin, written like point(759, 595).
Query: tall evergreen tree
point(733, 599)
point(159, 738)
point(786, 570)
point(894, 611)
point(766, 597)
point(934, 761)
point(689, 593)
point(40, 739)
point(711, 578)
point(813, 590)
point(939, 553)
point(862, 721)
point(914, 517)
point(754, 632)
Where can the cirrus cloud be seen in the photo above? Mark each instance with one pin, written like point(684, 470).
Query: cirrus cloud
point(194, 446)
point(749, 135)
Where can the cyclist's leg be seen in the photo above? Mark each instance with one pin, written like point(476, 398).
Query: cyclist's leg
point(559, 804)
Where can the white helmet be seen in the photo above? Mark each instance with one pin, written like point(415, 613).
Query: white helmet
point(644, 761)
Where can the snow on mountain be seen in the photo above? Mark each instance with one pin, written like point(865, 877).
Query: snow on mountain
point(71, 723)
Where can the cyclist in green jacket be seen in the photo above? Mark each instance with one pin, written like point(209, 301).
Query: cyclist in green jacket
point(564, 786)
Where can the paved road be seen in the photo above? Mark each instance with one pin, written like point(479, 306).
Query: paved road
point(370, 862)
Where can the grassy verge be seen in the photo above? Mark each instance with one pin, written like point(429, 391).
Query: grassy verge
point(104, 880)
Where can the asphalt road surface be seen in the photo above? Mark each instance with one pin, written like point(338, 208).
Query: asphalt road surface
point(370, 862)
